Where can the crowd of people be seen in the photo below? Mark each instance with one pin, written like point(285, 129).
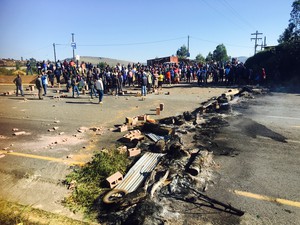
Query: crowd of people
point(107, 79)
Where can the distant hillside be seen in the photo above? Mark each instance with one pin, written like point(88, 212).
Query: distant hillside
point(109, 61)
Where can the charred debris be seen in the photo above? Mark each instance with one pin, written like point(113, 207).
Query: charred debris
point(169, 176)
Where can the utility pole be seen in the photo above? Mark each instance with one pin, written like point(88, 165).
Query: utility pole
point(54, 52)
point(188, 46)
point(73, 45)
point(256, 39)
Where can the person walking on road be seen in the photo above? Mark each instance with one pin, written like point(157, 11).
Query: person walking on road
point(100, 89)
point(144, 82)
point(39, 86)
point(44, 79)
point(18, 83)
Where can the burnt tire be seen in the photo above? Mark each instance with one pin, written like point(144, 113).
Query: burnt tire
point(114, 196)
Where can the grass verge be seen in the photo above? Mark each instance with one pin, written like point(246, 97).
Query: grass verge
point(17, 214)
point(89, 182)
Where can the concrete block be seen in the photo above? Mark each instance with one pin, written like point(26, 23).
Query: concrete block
point(134, 152)
point(114, 179)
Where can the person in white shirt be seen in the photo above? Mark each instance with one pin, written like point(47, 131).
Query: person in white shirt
point(99, 88)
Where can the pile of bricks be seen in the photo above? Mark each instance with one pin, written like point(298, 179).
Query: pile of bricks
point(133, 135)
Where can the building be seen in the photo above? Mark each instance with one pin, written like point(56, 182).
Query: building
point(168, 59)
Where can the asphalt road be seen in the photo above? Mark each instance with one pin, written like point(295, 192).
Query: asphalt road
point(32, 172)
point(262, 175)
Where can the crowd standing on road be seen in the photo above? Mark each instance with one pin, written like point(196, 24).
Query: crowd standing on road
point(113, 79)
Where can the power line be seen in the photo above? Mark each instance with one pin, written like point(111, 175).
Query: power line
point(129, 44)
point(214, 42)
point(224, 15)
point(241, 18)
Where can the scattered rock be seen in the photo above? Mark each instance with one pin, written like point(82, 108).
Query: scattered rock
point(19, 133)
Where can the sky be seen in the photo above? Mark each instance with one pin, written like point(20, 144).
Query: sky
point(137, 30)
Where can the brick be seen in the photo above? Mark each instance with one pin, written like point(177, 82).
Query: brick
point(122, 149)
point(134, 152)
point(128, 120)
point(114, 179)
point(142, 117)
point(133, 135)
point(161, 106)
point(123, 128)
point(158, 111)
point(31, 87)
point(19, 133)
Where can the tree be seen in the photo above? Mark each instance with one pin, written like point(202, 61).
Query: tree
point(182, 52)
point(220, 53)
point(209, 57)
point(292, 32)
point(200, 59)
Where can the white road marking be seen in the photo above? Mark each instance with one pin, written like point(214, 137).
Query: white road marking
point(285, 117)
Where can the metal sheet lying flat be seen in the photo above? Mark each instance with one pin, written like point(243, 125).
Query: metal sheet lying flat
point(155, 137)
point(139, 171)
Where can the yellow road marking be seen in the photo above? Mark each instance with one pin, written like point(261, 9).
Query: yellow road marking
point(42, 157)
point(267, 198)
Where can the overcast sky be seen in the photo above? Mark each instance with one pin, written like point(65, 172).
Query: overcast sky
point(137, 30)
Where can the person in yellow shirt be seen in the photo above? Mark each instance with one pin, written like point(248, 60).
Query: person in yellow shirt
point(161, 78)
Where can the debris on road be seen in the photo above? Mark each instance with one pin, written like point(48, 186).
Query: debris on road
point(186, 167)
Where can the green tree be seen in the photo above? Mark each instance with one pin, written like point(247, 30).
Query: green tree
point(220, 53)
point(209, 57)
point(200, 58)
point(292, 32)
point(182, 52)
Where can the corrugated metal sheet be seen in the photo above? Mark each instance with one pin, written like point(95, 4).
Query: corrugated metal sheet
point(139, 171)
point(155, 137)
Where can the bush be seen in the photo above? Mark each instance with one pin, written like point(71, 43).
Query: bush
point(4, 71)
point(90, 179)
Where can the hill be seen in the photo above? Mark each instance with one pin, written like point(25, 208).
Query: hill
point(109, 61)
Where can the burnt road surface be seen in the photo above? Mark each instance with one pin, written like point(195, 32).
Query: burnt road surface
point(261, 175)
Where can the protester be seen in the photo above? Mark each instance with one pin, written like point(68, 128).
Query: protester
point(28, 68)
point(18, 83)
point(100, 89)
point(144, 82)
point(44, 82)
point(39, 86)
point(74, 85)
